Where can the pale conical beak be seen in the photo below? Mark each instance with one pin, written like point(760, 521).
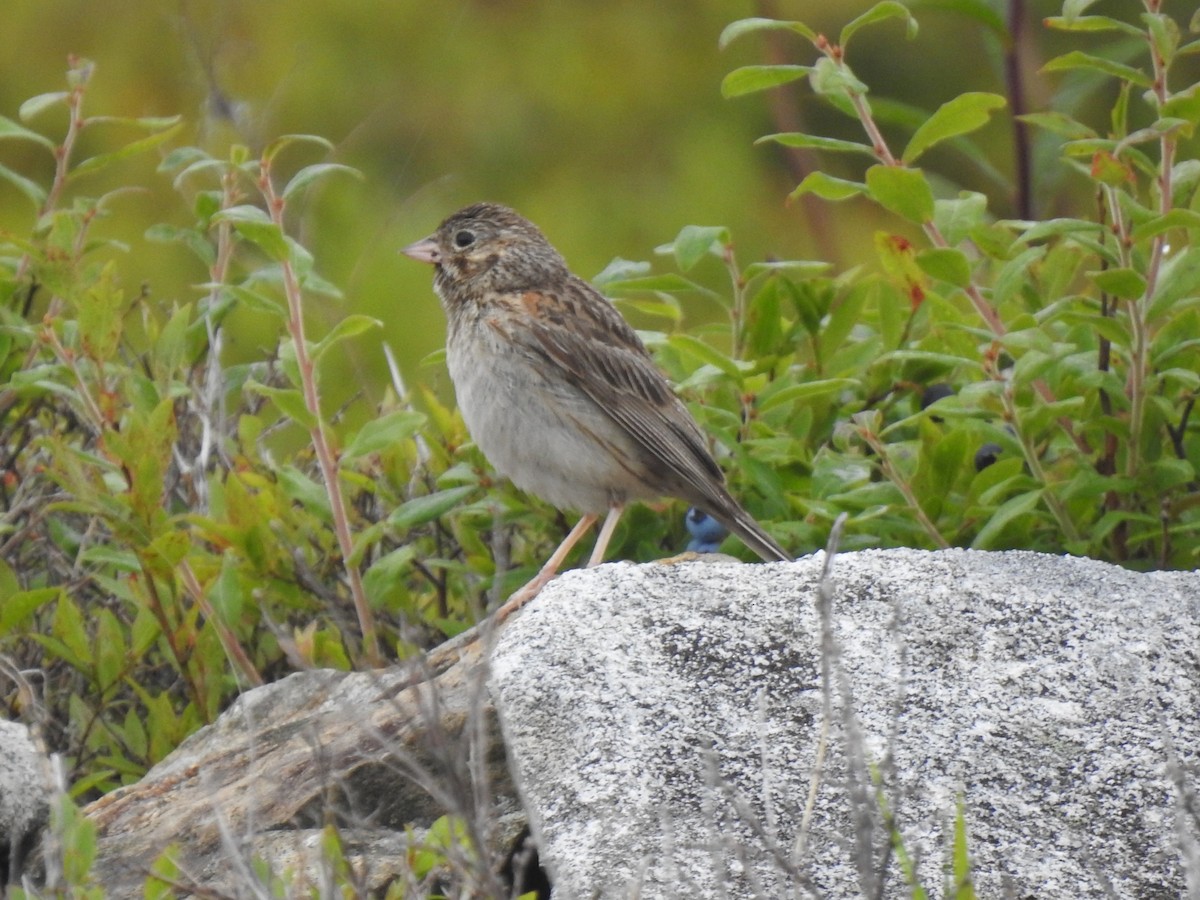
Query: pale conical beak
point(425, 251)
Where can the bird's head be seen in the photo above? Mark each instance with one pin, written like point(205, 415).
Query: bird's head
point(488, 247)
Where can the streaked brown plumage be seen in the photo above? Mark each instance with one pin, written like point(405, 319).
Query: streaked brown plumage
point(557, 389)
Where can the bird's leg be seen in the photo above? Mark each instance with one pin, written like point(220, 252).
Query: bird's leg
point(605, 535)
point(524, 594)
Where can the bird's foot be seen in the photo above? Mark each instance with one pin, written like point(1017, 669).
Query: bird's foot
point(692, 556)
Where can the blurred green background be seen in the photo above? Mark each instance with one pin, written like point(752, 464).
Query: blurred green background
point(602, 122)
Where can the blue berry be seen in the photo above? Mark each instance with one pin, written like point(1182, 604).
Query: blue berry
point(707, 533)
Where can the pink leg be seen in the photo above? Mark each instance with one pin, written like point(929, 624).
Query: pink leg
point(524, 594)
point(606, 533)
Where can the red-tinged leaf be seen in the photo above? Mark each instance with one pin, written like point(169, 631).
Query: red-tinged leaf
point(1108, 169)
point(899, 260)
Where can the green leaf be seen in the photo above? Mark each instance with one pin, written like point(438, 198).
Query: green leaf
point(281, 143)
point(288, 401)
point(962, 115)
point(1078, 60)
point(1184, 105)
point(1059, 124)
point(835, 82)
point(978, 10)
point(902, 191)
point(620, 270)
point(148, 123)
point(10, 130)
point(694, 242)
point(420, 510)
point(69, 628)
point(1164, 36)
point(310, 494)
point(387, 574)
point(1013, 508)
point(1040, 231)
point(31, 189)
point(256, 226)
point(347, 328)
point(827, 187)
point(963, 887)
point(189, 237)
point(1178, 278)
point(109, 648)
point(182, 157)
point(749, 79)
point(35, 106)
point(957, 217)
point(1123, 283)
point(9, 583)
point(805, 391)
point(887, 9)
point(22, 604)
point(796, 268)
point(670, 283)
point(226, 594)
point(309, 174)
point(665, 306)
point(386, 431)
point(101, 315)
point(946, 264)
point(697, 349)
point(1012, 275)
point(111, 557)
point(1091, 23)
point(817, 142)
point(247, 297)
point(742, 27)
point(1073, 9)
point(133, 148)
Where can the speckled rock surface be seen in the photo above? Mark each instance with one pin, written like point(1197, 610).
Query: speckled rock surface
point(663, 722)
point(24, 796)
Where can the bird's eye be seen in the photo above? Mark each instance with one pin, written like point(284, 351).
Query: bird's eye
point(464, 239)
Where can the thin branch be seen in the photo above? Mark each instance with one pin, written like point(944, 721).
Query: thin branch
point(322, 445)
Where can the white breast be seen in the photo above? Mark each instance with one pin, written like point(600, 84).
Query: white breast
point(539, 431)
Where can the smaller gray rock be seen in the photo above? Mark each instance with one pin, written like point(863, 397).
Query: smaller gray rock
point(24, 797)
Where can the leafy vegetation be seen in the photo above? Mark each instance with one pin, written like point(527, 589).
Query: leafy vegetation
point(175, 528)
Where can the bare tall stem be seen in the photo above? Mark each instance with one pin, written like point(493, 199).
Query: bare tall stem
point(326, 457)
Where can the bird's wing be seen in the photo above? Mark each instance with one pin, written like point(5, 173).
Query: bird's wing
point(580, 332)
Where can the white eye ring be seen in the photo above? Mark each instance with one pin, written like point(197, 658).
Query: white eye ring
point(464, 239)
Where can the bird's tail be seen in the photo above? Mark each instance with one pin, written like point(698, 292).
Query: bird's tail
point(743, 525)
